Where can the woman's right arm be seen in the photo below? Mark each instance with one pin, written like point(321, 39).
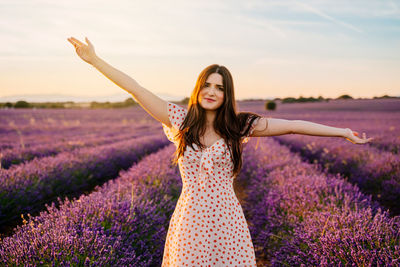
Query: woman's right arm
point(150, 102)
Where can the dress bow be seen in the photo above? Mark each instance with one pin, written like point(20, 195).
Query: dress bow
point(206, 165)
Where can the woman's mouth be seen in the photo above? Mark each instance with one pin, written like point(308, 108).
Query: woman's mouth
point(209, 100)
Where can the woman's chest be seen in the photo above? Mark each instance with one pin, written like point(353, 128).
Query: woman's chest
point(217, 155)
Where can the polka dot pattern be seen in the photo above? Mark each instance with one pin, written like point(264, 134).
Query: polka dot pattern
point(207, 227)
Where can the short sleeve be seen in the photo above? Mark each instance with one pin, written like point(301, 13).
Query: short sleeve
point(176, 115)
point(253, 125)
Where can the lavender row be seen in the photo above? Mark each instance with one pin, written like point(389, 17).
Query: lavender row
point(375, 172)
point(18, 155)
point(23, 127)
point(41, 135)
point(71, 116)
point(389, 142)
point(27, 135)
point(122, 223)
point(299, 214)
point(27, 187)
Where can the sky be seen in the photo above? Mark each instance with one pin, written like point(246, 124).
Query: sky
point(273, 49)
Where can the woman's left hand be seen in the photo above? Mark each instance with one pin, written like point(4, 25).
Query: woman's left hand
point(352, 136)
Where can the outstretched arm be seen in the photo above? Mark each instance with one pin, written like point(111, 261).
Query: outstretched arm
point(272, 127)
point(316, 129)
point(150, 102)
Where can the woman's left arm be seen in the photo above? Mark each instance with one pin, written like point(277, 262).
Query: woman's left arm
point(316, 129)
point(272, 126)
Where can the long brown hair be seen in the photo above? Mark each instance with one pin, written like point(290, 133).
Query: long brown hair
point(228, 123)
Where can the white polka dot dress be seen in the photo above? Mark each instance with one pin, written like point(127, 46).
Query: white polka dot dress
point(208, 227)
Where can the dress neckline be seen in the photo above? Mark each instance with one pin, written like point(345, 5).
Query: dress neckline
point(208, 147)
point(214, 143)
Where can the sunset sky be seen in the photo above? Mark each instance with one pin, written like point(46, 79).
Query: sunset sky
point(272, 48)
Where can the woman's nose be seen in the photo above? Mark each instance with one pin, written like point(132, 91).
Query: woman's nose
point(212, 90)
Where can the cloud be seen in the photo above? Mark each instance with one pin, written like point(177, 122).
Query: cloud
point(262, 23)
point(326, 16)
point(396, 8)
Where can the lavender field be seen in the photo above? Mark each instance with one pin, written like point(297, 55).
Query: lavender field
point(97, 187)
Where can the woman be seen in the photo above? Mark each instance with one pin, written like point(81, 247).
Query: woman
point(208, 226)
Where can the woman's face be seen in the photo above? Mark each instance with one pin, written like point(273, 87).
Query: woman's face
point(211, 96)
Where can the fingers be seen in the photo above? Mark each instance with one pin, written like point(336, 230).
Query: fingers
point(87, 41)
point(75, 44)
point(77, 41)
point(364, 135)
point(363, 141)
point(358, 140)
point(72, 42)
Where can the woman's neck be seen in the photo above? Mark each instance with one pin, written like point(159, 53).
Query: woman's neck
point(210, 117)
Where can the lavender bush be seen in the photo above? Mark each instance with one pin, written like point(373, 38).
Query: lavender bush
point(26, 187)
point(375, 172)
point(25, 128)
point(122, 223)
point(18, 155)
point(299, 214)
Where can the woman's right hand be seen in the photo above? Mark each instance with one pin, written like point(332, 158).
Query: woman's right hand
point(85, 52)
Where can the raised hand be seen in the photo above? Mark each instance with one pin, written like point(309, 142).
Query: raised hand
point(352, 136)
point(85, 52)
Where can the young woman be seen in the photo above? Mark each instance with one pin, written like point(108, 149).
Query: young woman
point(208, 227)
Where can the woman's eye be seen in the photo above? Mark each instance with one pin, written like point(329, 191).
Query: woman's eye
point(206, 85)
